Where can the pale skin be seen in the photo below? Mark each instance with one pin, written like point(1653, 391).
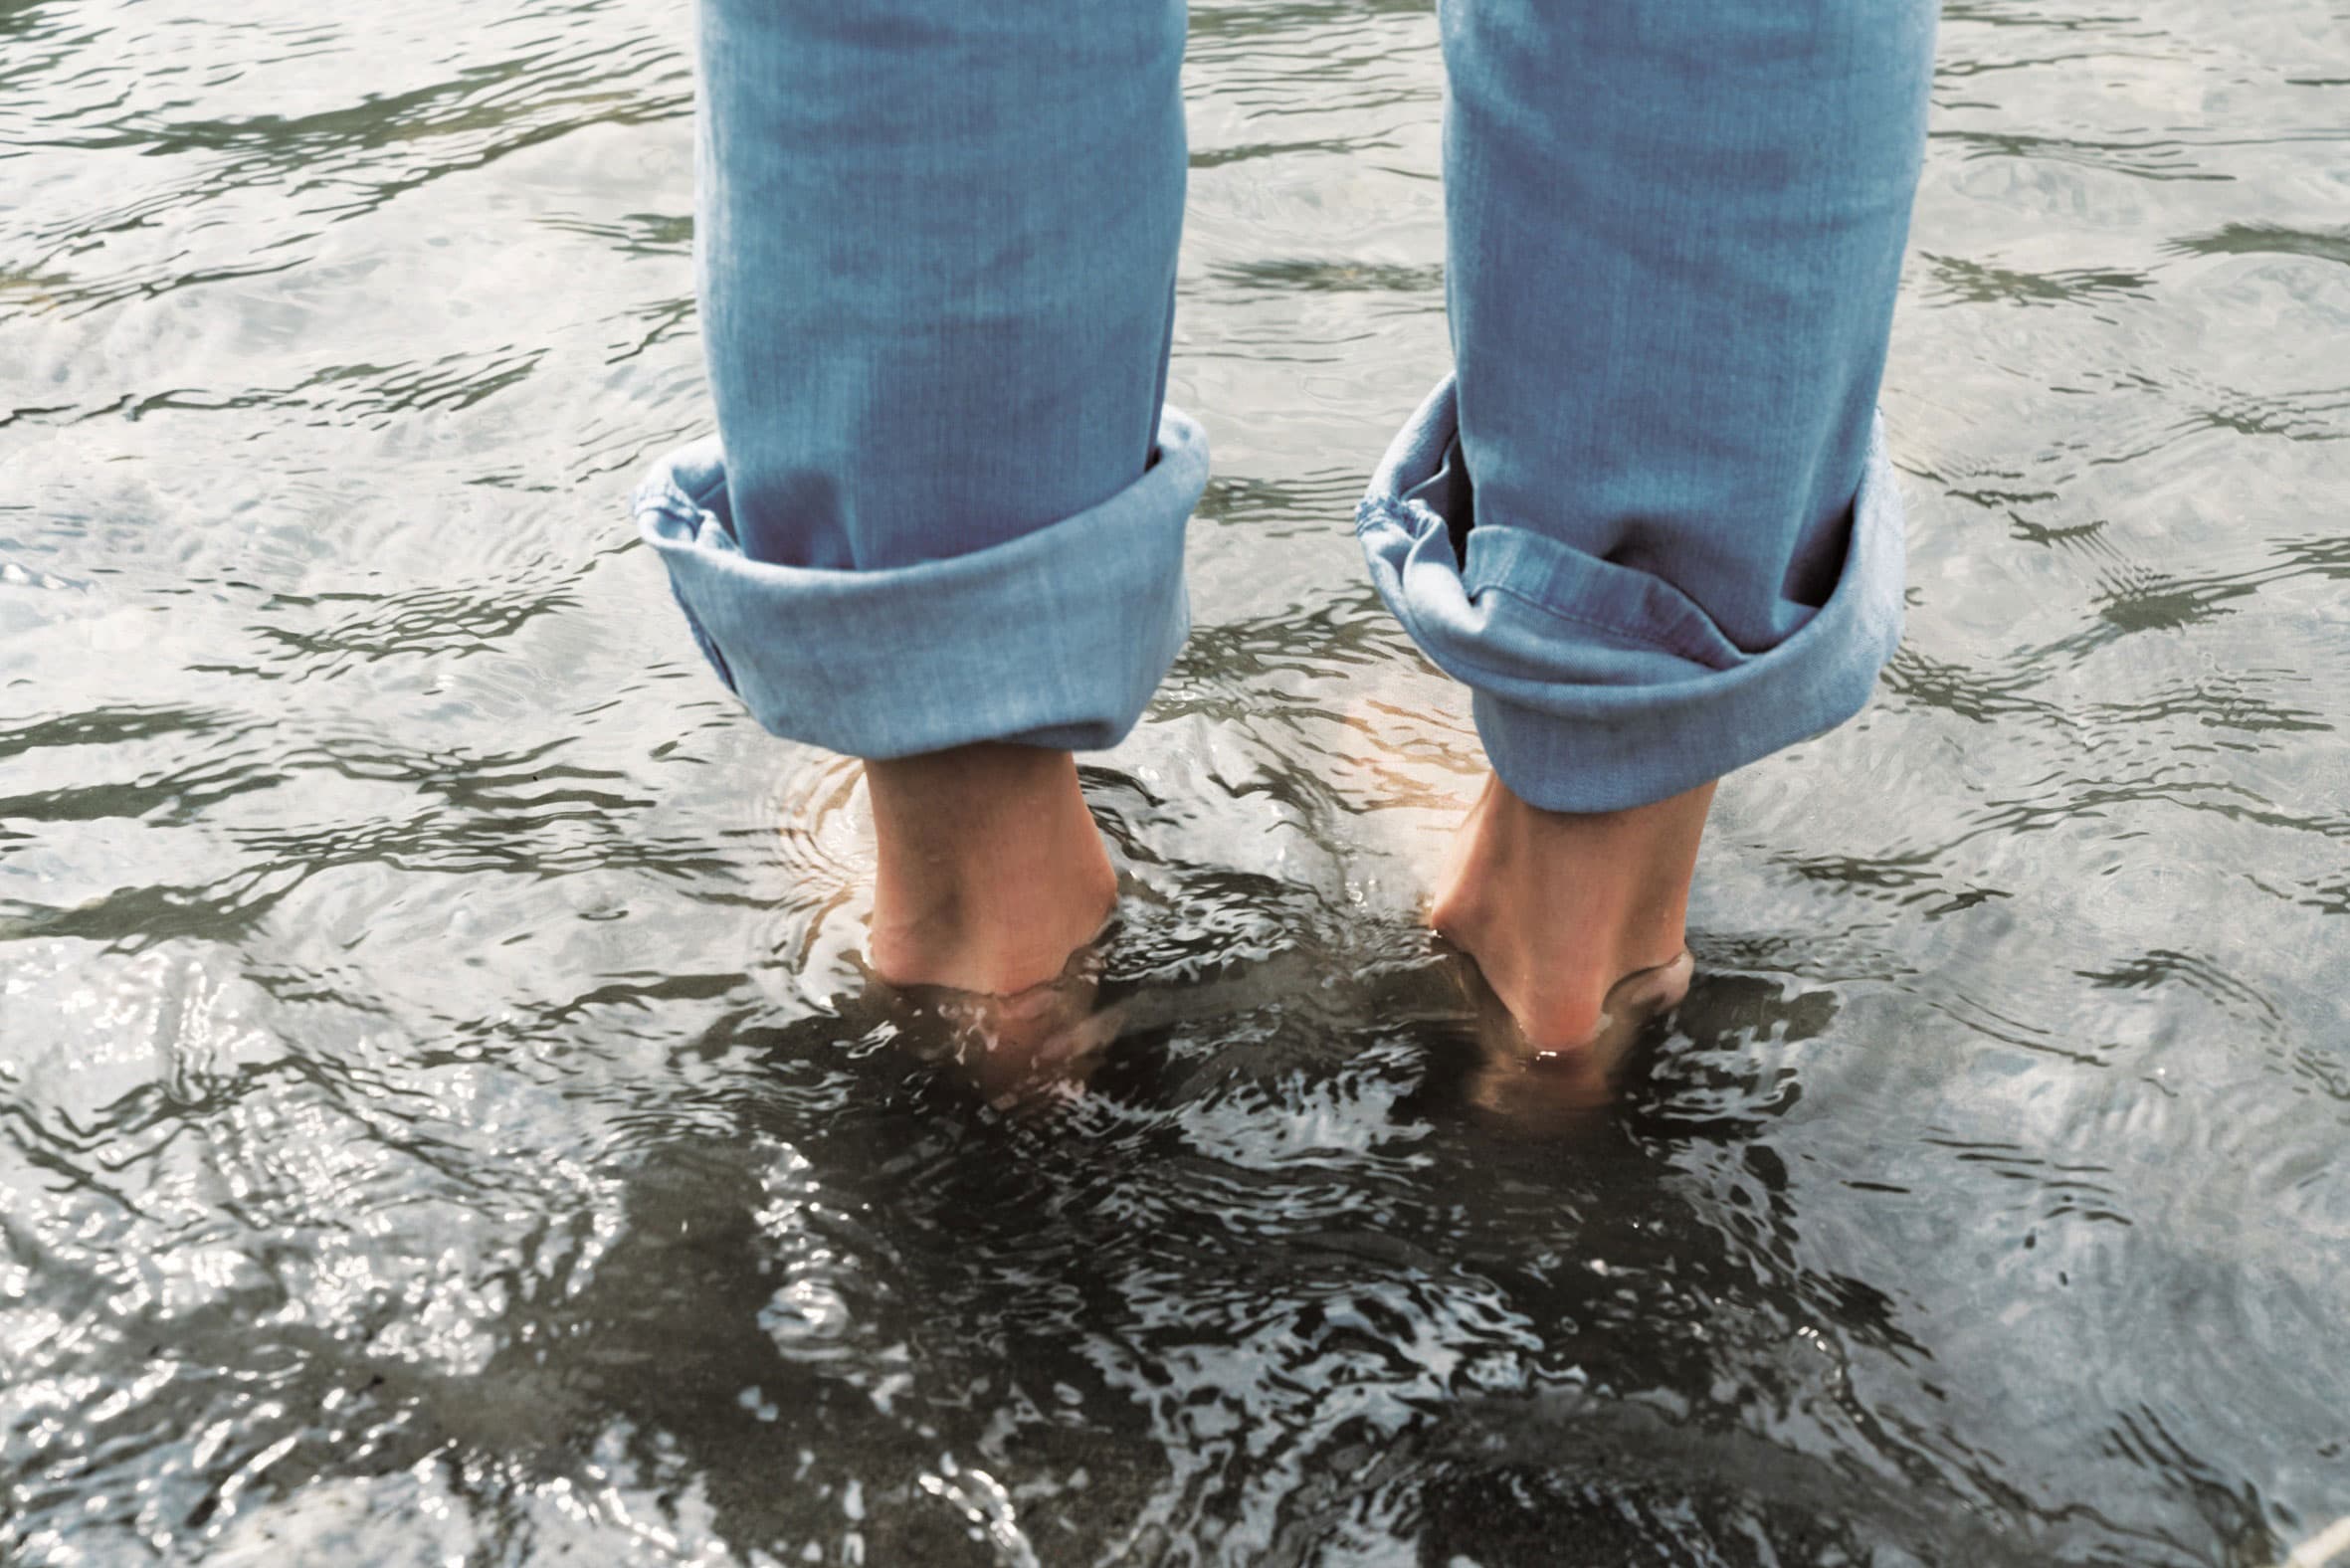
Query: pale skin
point(991, 874)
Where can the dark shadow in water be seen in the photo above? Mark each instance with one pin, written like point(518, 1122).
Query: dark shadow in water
point(1557, 1337)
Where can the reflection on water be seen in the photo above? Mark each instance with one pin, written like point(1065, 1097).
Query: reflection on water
point(442, 1118)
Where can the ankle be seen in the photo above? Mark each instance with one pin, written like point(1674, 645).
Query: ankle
point(989, 871)
point(1558, 908)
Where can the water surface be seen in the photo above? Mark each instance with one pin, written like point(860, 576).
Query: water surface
point(441, 1118)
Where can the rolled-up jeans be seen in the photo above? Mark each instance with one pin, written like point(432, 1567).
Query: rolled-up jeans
point(1648, 519)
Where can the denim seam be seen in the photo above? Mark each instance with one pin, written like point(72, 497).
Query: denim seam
point(669, 497)
point(1406, 515)
point(1468, 670)
point(1653, 645)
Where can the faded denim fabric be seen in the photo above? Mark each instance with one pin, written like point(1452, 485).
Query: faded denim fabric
point(1056, 637)
point(1648, 519)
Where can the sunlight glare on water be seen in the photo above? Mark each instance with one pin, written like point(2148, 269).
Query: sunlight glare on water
point(442, 1118)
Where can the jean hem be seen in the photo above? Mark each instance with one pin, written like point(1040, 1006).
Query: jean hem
point(1057, 637)
point(1582, 712)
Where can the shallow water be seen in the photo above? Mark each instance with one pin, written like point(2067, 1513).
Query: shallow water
point(439, 1118)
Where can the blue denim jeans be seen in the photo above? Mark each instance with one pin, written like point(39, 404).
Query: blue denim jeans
point(1648, 519)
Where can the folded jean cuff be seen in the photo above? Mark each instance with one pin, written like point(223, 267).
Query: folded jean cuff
point(1057, 637)
point(1596, 688)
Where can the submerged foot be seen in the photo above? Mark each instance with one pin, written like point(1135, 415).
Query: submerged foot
point(1575, 920)
point(1020, 1049)
point(989, 870)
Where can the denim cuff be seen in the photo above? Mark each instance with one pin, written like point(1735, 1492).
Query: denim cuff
point(1597, 687)
point(1055, 638)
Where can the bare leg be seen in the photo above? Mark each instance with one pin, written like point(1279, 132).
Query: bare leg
point(991, 871)
point(1557, 907)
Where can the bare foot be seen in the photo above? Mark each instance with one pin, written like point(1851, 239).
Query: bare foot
point(1558, 908)
point(1021, 1050)
point(1548, 1088)
point(990, 871)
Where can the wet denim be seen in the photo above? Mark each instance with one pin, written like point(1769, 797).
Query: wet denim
point(1648, 519)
